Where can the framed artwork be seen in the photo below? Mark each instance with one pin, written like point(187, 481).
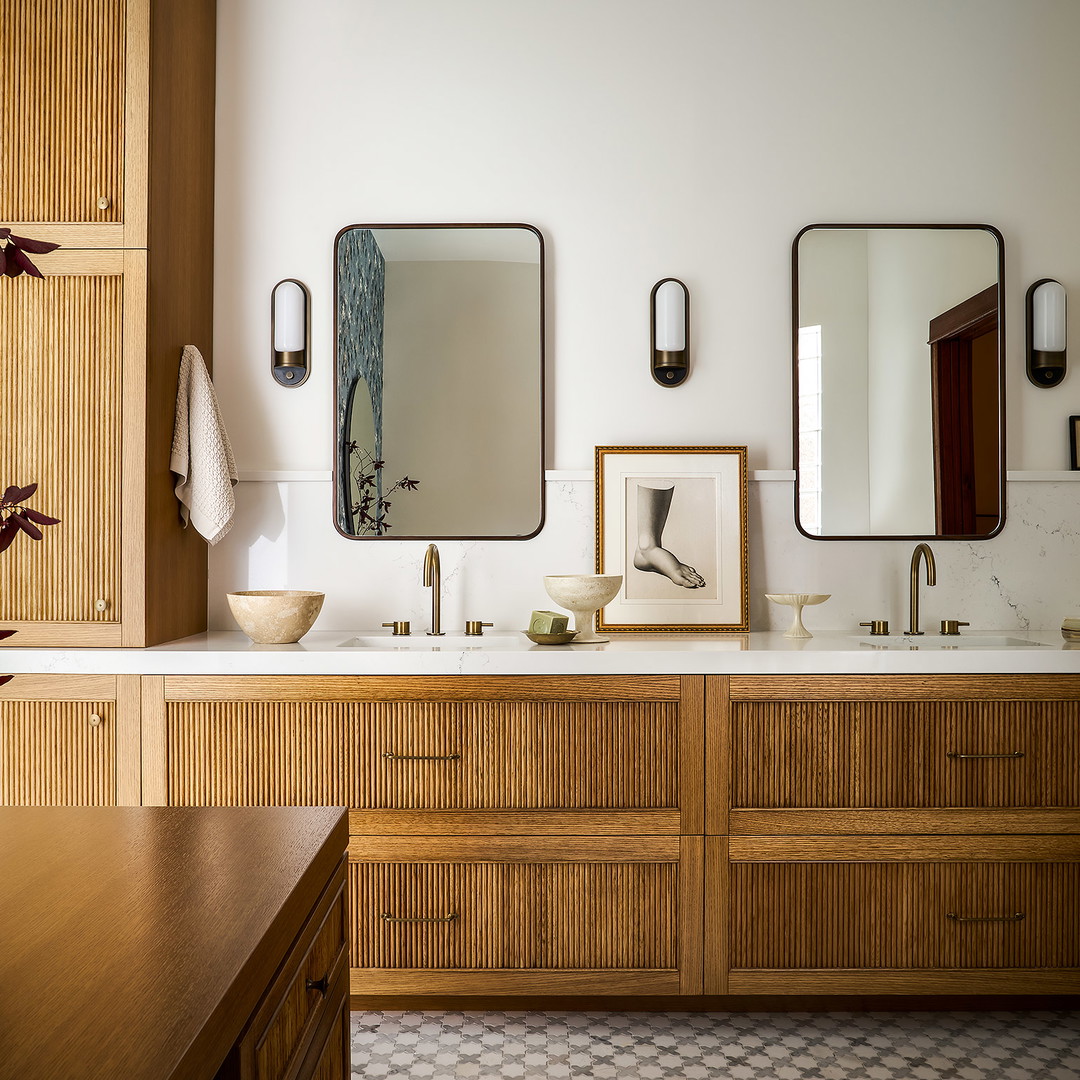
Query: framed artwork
point(1074, 442)
point(672, 521)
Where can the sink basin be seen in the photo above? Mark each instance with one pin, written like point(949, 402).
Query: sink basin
point(421, 641)
point(936, 641)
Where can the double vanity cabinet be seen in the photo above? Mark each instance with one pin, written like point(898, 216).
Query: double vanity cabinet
point(592, 834)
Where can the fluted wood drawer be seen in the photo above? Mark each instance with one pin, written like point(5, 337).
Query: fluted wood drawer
point(329, 1058)
point(58, 740)
point(819, 908)
point(497, 915)
point(522, 753)
point(913, 754)
point(307, 987)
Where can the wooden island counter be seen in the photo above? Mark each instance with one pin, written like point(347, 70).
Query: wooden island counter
point(155, 943)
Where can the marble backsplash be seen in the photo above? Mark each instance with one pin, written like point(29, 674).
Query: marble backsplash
point(1028, 577)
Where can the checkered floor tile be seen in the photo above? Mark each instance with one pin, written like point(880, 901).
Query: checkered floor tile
point(716, 1046)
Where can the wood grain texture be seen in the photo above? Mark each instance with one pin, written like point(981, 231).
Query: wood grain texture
point(897, 754)
point(902, 848)
point(59, 688)
point(520, 915)
point(691, 914)
point(514, 822)
point(717, 905)
point(185, 915)
point(530, 984)
point(128, 740)
point(717, 747)
point(956, 821)
point(628, 849)
point(62, 93)
point(154, 743)
point(918, 982)
point(58, 753)
point(332, 1059)
point(180, 303)
point(893, 915)
point(359, 688)
point(904, 687)
point(68, 442)
point(690, 767)
point(479, 755)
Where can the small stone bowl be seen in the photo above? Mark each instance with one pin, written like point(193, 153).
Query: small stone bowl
point(275, 616)
point(551, 639)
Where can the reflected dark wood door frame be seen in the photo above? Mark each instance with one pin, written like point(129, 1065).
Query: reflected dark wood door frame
point(960, 391)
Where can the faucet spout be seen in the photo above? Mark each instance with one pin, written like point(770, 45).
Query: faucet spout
point(432, 580)
point(923, 552)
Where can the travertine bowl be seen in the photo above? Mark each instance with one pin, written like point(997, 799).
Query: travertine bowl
point(275, 616)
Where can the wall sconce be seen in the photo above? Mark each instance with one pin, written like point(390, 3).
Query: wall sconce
point(1046, 332)
point(669, 306)
point(289, 332)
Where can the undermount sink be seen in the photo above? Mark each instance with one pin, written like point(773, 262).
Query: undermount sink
point(950, 641)
point(422, 641)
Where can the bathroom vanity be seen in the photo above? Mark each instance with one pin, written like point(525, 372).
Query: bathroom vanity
point(692, 816)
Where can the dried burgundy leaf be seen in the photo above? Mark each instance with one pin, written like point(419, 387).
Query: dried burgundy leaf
point(23, 262)
point(5, 678)
point(31, 530)
point(12, 494)
point(39, 517)
point(7, 535)
point(37, 247)
point(11, 268)
point(4, 233)
point(3, 261)
point(26, 492)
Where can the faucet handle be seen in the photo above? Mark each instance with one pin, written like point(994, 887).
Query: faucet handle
point(401, 629)
point(951, 627)
point(878, 627)
point(474, 628)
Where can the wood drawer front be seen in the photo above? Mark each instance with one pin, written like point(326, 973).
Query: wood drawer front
point(881, 754)
point(499, 915)
point(463, 755)
point(285, 1026)
point(57, 753)
point(330, 1057)
point(859, 915)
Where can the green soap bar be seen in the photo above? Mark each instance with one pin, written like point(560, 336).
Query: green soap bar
point(548, 622)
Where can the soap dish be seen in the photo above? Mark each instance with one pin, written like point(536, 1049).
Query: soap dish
point(1070, 629)
point(551, 639)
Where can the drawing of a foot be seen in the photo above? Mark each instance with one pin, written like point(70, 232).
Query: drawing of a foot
point(654, 502)
point(659, 560)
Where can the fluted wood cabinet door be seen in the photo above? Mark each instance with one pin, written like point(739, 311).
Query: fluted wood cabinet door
point(68, 367)
point(69, 740)
point(72, 109)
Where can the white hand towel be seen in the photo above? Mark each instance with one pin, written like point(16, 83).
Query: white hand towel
point(202, 456)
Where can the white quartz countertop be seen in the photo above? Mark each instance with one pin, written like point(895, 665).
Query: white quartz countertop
point(502, 653)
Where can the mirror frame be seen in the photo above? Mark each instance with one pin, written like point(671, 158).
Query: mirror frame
point(1000, 240)
point(340, 467)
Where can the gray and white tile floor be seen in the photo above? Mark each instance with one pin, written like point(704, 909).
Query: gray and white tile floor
point(716, 1046)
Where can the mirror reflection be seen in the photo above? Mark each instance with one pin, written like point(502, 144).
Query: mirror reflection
point(898, 346)
point(439, 381)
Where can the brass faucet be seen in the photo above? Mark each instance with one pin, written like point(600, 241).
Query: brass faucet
point(432, 577)
point(924, 551)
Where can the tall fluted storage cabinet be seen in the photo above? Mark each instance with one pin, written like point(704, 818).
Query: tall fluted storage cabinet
point(107, 110)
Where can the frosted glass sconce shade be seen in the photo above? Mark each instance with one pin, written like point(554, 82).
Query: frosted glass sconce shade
point(1047, 332)
point(669, 307)
point(289, 332)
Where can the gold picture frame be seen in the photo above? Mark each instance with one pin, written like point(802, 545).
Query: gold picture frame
point(672, 521)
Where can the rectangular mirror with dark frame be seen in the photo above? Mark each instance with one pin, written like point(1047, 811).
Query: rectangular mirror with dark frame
point(898, 349)
point(439, 382)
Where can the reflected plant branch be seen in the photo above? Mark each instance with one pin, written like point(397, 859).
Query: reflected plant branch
point(370, 511)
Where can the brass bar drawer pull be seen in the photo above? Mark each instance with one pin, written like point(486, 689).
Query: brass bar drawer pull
point(1015, 754)
point(387, 917)
point(1016, 917)
point(421, 757)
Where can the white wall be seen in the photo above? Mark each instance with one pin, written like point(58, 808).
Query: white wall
point(692, 138)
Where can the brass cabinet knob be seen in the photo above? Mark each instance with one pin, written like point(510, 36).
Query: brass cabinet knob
point(951, 627)
point(878, 627)
point(103, 203)
point(474, 628)
point(401, 629)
